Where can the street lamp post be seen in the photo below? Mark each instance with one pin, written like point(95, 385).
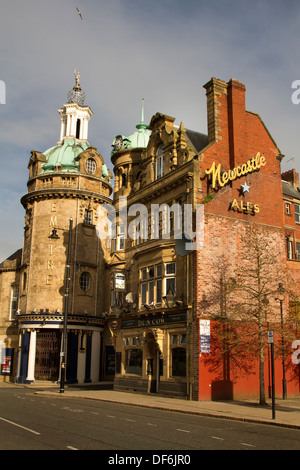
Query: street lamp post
point(265, 302)
point(54, 236)
point(284, 388)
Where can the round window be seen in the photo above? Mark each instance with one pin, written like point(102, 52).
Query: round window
point(90, 166)
point(84, 281)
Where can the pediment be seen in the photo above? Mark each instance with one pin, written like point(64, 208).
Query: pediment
point(116, 258)
point(36, 157)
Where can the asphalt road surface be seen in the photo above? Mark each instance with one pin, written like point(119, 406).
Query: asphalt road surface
point(36, 422)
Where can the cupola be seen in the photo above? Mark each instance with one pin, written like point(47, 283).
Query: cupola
point(74, 114)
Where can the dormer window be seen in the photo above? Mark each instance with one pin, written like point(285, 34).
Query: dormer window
point(159, 163)
point(90, 166)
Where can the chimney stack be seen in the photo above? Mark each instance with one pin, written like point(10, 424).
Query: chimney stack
point(291, 177)
point(216, 93)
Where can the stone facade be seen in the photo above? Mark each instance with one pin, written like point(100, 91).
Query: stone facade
point(143, 298)
point(152, 322)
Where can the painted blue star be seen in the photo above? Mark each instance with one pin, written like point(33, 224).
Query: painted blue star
point(245, 187)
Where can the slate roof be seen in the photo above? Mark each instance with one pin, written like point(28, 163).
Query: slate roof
point(17, 254)
point(289, 190)
point(198, 140)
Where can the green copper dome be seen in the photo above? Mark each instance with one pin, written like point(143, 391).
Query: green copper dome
point(139, 139)
point(63, 156)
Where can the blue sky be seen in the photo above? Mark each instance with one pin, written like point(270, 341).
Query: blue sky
point(163, 51)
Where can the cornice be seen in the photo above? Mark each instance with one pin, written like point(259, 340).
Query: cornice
point(69, 174)
point(63, 193)
point(43, 318)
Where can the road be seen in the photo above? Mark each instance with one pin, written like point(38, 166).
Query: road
point(37, 422)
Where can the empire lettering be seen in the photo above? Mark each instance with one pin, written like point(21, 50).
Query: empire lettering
point(251, 165)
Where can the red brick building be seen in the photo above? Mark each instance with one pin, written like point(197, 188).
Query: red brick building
point(243, 193)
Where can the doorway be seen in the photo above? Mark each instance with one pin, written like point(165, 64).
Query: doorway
point(153, 363)
point(47, 355)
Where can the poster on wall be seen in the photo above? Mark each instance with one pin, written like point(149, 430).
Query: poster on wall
point(205, 336)
point(7, 355)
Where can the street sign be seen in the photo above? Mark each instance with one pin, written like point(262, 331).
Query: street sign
point(270, 337)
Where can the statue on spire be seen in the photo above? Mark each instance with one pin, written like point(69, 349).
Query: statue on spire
point(76, 95)
point(77, 78)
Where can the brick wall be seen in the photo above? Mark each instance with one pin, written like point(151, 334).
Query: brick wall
point(235, 137)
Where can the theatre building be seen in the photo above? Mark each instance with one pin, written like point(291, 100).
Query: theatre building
point(65, 187)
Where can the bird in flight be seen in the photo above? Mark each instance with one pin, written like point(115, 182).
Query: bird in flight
point(79, 12)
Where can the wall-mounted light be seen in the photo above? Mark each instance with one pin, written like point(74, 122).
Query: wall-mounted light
point(53, 235)
point(169, 300)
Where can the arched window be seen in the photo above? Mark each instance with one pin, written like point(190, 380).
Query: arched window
point(78, 129)
point(85, 281)
point(24, 280)
point(123, 180)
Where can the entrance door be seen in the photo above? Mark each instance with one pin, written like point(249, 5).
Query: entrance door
point(153, 362)
point(47, 355)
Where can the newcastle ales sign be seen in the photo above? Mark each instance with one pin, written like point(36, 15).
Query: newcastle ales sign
point(220, 179)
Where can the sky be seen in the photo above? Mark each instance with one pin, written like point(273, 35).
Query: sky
point(128, 50)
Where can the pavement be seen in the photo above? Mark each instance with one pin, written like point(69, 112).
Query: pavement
point(287, 412)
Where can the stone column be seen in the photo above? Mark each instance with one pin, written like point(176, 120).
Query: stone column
point(18, 358)
point(81, 357)
point(31, 357)
point(95, 357)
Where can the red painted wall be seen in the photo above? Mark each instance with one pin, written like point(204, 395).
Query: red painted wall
point(244, 380)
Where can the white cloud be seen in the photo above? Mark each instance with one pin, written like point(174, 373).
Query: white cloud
point(163, 51)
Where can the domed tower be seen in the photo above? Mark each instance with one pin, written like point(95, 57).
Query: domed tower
point(126, 158)
point(63, 258)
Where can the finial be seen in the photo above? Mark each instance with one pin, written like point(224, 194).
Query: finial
point(76, 95)
point(142, 125)
point(142, 115)
point(77, 78)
